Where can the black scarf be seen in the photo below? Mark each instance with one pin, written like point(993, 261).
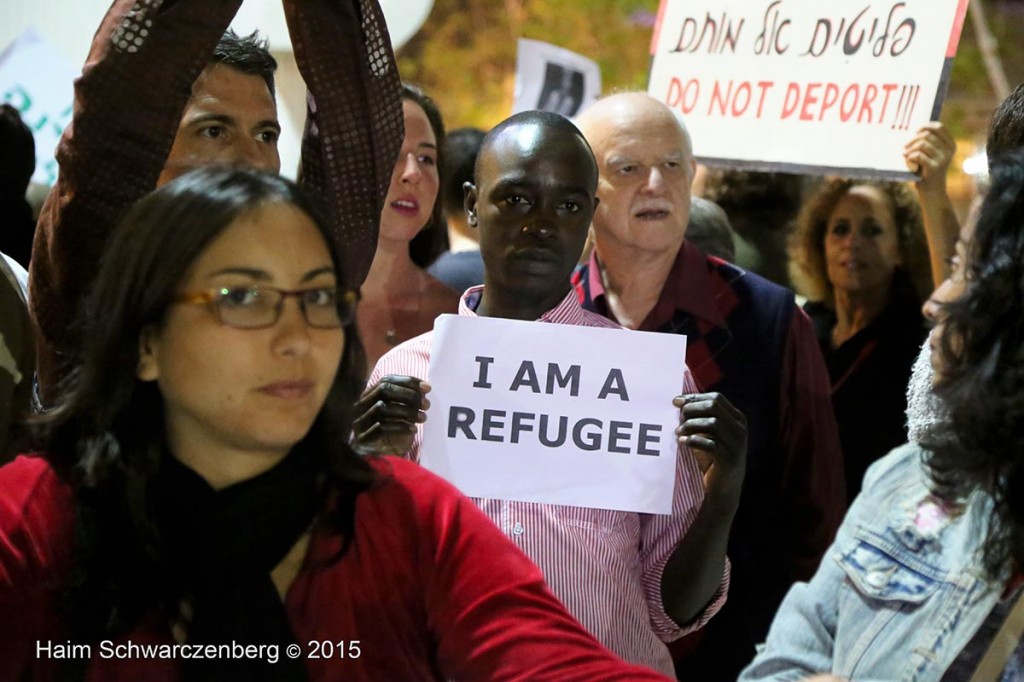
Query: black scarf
point(222, 545)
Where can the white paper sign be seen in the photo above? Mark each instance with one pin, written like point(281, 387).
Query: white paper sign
point(554, 413)
point(803, 85)
point(38, 81)
point(551, 78)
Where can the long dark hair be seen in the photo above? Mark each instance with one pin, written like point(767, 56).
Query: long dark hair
point(981, 444)
point(107, 436)
point(432, 240)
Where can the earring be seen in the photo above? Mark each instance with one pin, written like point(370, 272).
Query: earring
point(472, 219)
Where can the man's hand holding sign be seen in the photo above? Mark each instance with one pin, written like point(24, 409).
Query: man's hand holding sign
point(709, 425)
point(387, 415)
point(717, 433)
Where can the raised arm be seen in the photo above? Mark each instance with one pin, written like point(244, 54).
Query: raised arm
point(928, 154)
point(354, 124)
point(128, 103)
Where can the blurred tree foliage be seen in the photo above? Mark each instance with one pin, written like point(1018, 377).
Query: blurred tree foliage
point(971, 98)
point(465, 54)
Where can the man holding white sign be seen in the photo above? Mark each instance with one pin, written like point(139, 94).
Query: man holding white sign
point(635, 580)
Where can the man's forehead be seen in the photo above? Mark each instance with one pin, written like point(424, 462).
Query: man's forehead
point(222, 81)
point(631, 118)
point(643, 144)
point(523, 137)
point(525, 149)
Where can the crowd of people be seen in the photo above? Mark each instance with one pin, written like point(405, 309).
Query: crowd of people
point(204, 479)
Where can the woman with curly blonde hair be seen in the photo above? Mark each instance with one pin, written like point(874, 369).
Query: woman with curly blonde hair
point(859, 255)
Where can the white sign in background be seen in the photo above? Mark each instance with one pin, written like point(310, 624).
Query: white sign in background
point(805, 85)
point(608, 472)
point(37, 81)
point(552, 78)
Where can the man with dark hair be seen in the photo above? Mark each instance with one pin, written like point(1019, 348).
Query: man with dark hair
point(232, 101)
point(634, 580)
point(167, 88)
point(461, 267)
point(746, 338)
point(249, 54)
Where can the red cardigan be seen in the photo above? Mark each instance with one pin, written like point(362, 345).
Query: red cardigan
point(429, 590)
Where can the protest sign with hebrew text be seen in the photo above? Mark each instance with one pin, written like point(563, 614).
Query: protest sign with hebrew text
point(803, 85)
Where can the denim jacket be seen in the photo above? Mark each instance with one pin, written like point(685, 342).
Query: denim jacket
point(897, 596)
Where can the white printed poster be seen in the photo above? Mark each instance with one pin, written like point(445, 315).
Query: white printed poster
point(551, 78)
point(553, 413)
point(802, 85)
point(38, 81)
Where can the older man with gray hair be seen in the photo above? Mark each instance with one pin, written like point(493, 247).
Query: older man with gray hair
point(746, 338)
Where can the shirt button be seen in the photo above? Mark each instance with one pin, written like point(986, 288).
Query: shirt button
point(878, 578)
point(518, 529)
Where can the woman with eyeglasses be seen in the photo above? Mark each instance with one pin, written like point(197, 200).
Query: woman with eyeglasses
point(198, 513)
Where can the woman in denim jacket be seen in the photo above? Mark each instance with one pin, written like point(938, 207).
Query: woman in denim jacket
point(899, 593)
point(933, 548)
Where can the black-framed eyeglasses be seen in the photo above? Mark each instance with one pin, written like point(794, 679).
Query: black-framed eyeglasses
point(257, 306)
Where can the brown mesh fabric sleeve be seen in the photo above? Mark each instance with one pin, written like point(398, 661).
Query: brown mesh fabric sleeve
point(354, 122)
point(128, 103)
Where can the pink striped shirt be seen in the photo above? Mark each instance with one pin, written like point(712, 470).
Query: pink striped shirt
point(606, 566)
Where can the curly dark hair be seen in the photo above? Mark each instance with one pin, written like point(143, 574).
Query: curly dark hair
point(432, 240)
point(1007, 130)
point(107, 434)
point(807, 245)
point(980, 446)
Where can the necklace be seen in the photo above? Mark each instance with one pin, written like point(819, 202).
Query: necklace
point(410, 314)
